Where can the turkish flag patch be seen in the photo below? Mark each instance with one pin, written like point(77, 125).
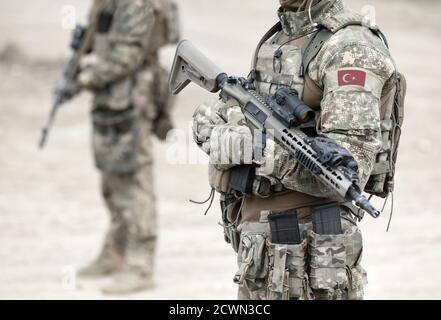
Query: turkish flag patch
point(351, 78)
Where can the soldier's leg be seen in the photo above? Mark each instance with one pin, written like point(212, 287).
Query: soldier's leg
point(110, 259)
point(133, 200)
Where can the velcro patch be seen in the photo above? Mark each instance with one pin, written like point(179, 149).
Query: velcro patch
point(351, 77)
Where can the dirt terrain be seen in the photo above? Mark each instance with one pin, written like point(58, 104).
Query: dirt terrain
point(52, 219)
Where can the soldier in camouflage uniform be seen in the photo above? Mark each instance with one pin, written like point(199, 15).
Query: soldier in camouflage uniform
point(349, 83)
point(131, 102)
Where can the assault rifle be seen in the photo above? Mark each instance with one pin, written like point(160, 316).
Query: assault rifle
point(81, 42)
point(191, 65)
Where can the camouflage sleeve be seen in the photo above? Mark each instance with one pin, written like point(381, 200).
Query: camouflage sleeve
point(352, 79)
point(220, 130)
point(133, 21)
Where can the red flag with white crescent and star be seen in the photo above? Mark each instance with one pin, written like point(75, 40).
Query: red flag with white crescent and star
point(351, 78)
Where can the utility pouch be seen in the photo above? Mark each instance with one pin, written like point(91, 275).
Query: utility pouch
point(115, 139)
point(253, 259)
point(218, 179)
point(242, 178)
point(105, 20)
point(328, 262)
point(287, 276)
point(284, 228)
point(230, 211)
point(326, 219)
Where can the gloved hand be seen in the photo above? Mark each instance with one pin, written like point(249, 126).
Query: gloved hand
point(332, 154)
point(67, 89)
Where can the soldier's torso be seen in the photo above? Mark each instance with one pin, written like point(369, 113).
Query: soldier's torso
point(278, 63)
point(103, 24)
point(115, 96)
point(118, 95)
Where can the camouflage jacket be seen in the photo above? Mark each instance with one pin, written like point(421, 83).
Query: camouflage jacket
point(352, 72)
point(123, 29)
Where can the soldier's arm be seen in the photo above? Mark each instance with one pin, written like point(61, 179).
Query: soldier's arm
point(133, 21)
point(352, 79)
point(220, 131)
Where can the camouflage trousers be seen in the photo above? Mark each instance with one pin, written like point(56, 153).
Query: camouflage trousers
point(322, 267)
point(130, 201)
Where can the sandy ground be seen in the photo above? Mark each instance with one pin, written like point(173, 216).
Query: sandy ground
point(52, 219)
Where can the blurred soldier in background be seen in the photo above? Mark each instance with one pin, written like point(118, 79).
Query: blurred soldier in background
point(131, 102)
point(343, 70)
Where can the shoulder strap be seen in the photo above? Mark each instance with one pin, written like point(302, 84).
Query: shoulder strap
point(326, 29)
point(271, 32)
point(312, 48)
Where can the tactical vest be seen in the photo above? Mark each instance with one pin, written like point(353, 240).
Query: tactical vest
point(381, 181)
point(118, 95)
point(271, 69)
point(115, 96)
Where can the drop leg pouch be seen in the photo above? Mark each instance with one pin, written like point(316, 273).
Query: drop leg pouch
point(115, 139)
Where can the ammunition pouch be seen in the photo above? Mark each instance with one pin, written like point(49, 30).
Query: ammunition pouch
point(253, 259)
point(270, 270)
point(328, 263)
point(242, 178)
point(219, 179)
point(115, 139)
point(335, 269)
point(304, 267)
point(287, 275)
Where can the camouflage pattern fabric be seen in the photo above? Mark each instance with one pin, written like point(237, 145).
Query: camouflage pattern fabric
point(115, 139)
point(221, 131)
point(296, 5)
point(321, 267)
point(131, 202)
point(287, 278)
point(121, 77)
point(352, 70)
point(119, 52)
point(328, 262)
point(298, 24)
point(350, 114)
point(253, 261)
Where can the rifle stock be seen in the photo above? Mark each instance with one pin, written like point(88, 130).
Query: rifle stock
point(191, 65)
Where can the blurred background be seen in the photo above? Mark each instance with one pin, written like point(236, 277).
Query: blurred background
point(52, 219)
